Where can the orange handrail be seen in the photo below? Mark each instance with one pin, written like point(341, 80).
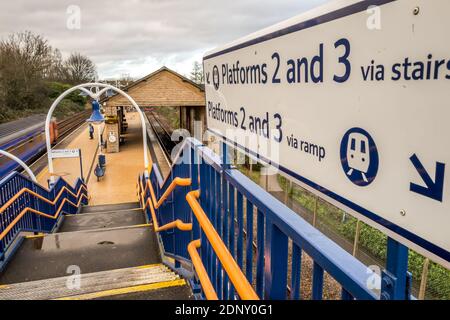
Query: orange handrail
point(23, 190)
point(154, 204)
point(237, 278)
point(240, 282)
point(25, 210)
point(205, 281)
point(174, 224)
point(177, 182)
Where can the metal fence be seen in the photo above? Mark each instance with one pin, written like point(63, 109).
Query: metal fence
point(264, 236)
point(25, 206)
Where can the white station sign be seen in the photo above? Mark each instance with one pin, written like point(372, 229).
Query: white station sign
point(65, 153)
point(353, 100)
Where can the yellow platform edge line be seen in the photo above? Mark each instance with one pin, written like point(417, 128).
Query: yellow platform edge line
point(115, 292)
point(141, 225)
point(40, 235)
point(42, 173)
point(150, 266)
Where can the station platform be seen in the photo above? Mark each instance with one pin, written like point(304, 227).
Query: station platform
point(122, 168)
point(108, 242)
point(69, 168)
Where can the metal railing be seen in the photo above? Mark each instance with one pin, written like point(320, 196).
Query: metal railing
point(26, 206)
point(149, 202)
point(264, 237)
point(227, 262)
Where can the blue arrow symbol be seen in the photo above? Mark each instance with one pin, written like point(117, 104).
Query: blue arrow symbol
point(434, 189)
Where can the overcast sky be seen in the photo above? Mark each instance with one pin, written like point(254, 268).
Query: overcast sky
point(137, 37)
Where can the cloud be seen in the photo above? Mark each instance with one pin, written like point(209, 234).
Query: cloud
point(139, 36)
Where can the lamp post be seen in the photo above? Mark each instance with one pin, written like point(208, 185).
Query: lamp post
point(21, 163)
point(97, 119)
point(95, 96)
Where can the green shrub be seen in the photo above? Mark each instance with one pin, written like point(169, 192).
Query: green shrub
point(5, 115)
point(67, 108)
point(72, 104)
point(57, 88)
point(372, 240)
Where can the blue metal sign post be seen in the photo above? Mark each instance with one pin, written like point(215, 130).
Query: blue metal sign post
point(395, 279)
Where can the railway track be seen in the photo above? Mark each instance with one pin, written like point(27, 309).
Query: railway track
point(66, 126)
point(162, 132)
point(28, 143)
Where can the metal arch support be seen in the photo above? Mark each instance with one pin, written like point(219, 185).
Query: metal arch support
point(104, 90)
point(22, 164)
point(94, 96)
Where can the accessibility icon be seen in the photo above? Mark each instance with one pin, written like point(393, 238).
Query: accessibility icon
point(359, 157)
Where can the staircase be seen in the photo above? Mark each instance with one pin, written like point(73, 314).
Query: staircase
point(104, 252)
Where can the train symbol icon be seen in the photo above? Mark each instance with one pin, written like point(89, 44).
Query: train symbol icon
point(359, 156)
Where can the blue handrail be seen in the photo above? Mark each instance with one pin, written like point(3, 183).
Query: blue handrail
point(262, 234)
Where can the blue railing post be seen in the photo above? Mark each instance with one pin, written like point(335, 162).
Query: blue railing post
point(249, 241)
point(195, 177)
point(317, 282)
point(35, 218)
point(224, 231)
point(394, 280)
point(276, 258)
point(181, 209)
point(240, 224)
point(225, 151)
point(231, 234)
point(54, 194)
point(223, 214)
point(296, 271)
point(260, 253)
point(205, 196)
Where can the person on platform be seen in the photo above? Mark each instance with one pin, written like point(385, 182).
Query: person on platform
point(91, 131)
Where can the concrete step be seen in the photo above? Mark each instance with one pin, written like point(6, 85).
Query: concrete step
point(166, 293)
point(110, 207)
point(102, 220)
point(143, 280)
point(55, 255)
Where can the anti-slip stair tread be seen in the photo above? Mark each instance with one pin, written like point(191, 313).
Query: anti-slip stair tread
point(99, 220)
point(92, 251)
point(67, 286)
point(172, 293)
point(110, 207)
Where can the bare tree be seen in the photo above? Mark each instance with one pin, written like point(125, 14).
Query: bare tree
point(80, 69)
point(57, 71)
point(197, 73)
point(25, 61)
point(32, 72)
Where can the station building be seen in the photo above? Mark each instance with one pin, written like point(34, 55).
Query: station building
point(162, 88)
